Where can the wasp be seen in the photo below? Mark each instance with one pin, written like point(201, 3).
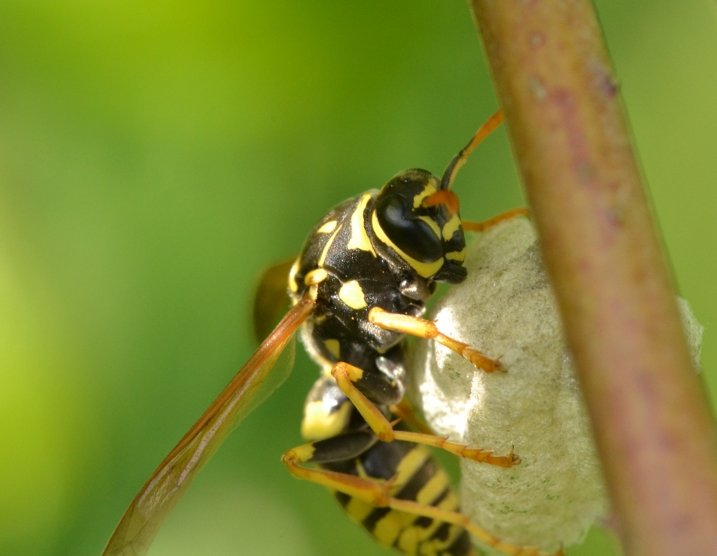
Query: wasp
point(357, 289)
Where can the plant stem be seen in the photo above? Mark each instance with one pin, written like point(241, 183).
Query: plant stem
point(651, 420)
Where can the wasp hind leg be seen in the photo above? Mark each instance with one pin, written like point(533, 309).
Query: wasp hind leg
point(379, 493)
point(353, 382)
point(337, 448)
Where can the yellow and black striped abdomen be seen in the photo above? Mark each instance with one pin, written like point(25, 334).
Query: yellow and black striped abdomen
point(415, 475)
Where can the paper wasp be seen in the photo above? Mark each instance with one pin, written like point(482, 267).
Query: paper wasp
point(357, 289)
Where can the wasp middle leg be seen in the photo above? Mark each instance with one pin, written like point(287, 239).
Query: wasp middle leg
point(358, 387)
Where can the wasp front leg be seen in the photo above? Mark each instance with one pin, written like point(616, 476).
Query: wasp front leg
point(422, 328)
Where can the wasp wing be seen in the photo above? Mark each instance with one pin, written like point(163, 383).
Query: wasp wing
point(270, 299)
point(247, 389)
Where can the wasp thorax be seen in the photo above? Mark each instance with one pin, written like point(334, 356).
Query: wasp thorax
point(420, 222)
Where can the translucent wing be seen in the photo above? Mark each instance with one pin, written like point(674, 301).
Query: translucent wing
point(247, 389)
point(270, 298)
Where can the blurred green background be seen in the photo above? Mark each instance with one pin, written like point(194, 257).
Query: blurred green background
point(155, 156)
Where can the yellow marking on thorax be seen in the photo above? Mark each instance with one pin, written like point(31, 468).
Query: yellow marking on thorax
point(359, 238)
point(313, 295)
point(425, 270)
point(428, 190)
point(352, 295)
point(293, 286)
point(327, 227)
point(333, 346)
point(325, 250)
point(315, 277)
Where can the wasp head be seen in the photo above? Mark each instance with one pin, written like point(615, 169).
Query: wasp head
point(419, 221)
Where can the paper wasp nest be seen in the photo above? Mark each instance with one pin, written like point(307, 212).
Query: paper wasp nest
point(506, 309)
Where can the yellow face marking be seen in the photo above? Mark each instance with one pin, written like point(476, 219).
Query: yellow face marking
point(327, 227)
point(428, 190)
point(320, 422)
point(352, 295)
point(293, 286)
point(425, 270)
point(456, 256)
point(359, 238)
point(450, 227)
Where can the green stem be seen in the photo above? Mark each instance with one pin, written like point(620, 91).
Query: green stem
point(652, 424)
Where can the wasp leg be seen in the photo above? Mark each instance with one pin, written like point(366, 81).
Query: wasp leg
point(405, 411)
point(486, 224)
point(349, 377)
point(337, 448)
point(378, 493)
point(427, 329)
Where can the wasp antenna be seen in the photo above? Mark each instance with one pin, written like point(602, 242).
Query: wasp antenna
point(460, 159)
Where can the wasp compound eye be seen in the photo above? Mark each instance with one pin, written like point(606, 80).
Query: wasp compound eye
point(411, 234)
